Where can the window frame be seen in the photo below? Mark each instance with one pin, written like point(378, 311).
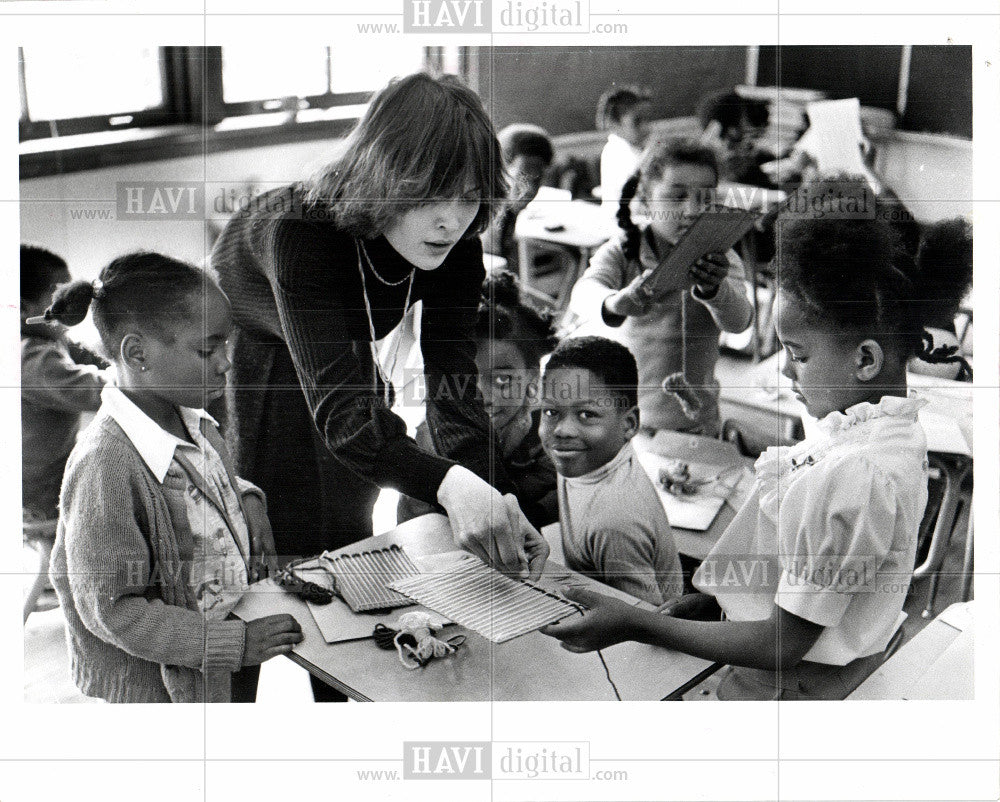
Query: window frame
point(216, 108)
point(173, 78)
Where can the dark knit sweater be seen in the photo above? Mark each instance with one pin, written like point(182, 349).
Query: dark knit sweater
point(295, 281)
point(59, 382)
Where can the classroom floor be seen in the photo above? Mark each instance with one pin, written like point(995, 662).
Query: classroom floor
point(46, 663)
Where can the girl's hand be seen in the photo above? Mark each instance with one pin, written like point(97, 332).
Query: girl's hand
point(607, 622)
point(708, 273)
point(270, 636)
point(693, 606)
point(482, 522)
point(261, 538)
point(632, 300)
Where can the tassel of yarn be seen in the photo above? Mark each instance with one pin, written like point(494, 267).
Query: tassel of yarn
point(414, 641)
point(676, 384)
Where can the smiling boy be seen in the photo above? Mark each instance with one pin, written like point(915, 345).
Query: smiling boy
point(612, 523)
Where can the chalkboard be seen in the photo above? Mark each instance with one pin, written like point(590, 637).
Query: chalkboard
point(940, 95)
point(558, 87)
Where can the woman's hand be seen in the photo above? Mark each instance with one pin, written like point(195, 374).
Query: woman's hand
point(708, 273)
point(262, 546)
point(536, 547)
point(693, 606)
point(607, 622)
point(486, 525)
point(270, 636)
point(633, 300)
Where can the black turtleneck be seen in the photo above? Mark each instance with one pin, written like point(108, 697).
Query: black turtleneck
point(298, 281)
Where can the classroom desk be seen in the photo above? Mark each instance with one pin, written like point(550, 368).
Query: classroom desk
point(695, 448)
point(533, 667)
point(937, 663)
point(584, 227)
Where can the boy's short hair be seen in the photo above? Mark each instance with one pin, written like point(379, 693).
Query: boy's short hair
point(524, 139)
point(39, 268)
point(609, 361)
point(616, 102)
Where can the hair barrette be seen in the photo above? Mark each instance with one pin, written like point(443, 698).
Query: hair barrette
point(97, 286)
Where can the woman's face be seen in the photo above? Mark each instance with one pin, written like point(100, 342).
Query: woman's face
point(424, 236)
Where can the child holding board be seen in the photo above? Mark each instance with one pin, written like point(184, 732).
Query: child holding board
point(828, 535)
point(674, 329)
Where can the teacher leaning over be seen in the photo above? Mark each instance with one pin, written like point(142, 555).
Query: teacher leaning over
point(316, 289)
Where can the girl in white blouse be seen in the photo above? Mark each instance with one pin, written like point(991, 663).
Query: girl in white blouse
point(813, 571)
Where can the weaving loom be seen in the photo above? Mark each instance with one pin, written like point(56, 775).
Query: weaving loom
point(362, 579)
point(485, 601)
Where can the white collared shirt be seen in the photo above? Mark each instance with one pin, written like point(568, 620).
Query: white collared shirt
point(618, 161)
point(218, 574)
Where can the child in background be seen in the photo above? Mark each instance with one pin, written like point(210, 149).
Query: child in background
point(948, 242)
point(511, 340)
point(612, 522)
point(834, 519)
point(527, 154)
point(60, 380)
point(156, 535)
point(677, 331)
point(733, 125)
point(624, 113)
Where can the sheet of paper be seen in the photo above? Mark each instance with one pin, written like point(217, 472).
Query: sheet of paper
point(834, 136)
point(944, 435)
point(698, 510)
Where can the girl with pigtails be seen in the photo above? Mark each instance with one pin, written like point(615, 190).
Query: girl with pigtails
point(674, 335)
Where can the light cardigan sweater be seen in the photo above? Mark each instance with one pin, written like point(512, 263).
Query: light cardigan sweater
point(120, 567)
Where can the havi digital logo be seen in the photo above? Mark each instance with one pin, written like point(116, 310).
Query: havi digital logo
point(447, 16)
point(446, 760)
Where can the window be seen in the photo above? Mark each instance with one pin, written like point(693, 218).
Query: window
point(65, 91)
point(240, 81)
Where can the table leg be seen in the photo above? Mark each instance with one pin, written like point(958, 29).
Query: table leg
point(750, 262)
point(524, 262)
point(572, 276)
point(967, 561)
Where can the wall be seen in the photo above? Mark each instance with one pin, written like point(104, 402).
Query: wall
point(558, 87)
point(74, 214)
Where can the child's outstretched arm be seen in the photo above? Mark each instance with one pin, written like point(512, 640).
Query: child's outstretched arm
point(779, 642)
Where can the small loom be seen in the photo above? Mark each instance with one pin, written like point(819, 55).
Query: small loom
point(363, 578)
point(489, 603)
